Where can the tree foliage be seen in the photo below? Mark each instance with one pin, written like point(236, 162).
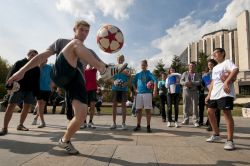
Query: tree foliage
point(178, 65)
point(202, 62)
point(159, 68)
point(4, 69)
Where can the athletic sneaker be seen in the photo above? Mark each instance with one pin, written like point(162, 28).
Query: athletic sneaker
point(124, 126)
point(229, 145)
point(22, 128)
point(83, 126)
point(91, 125)
point(68, 147)
point(113, 126)
point(112, 70)
point(42, 125)
point(169, 124)
point(149, 130)
point(196, 124)
point(185, 122)
point(34, 122)
point(214, 138)
point(137, 128)
point(176, 124)
point(3, 132)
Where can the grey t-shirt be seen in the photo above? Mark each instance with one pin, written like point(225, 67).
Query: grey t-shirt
point(58, 46)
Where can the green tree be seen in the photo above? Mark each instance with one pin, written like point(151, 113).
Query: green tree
point(178, 65)
point(4, 69)
point(202, 62)
point(159, 68)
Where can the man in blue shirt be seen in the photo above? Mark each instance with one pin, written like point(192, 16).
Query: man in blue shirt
point(144, 94)
point(120, 93)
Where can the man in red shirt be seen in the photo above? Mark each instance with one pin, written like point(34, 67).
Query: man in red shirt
point(91, 87)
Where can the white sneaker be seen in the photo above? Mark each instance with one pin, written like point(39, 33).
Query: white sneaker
point(176, 124)
point(42, 125)
point(169, 124)
point(34, 122)
point(229, 145)
point(196, 124)
point(83, 126)
point(185, 122)
point(112, 70)
point(68, 147)
point(113, 126)
point(214, 138)
point(124, 126)
point(91, 125)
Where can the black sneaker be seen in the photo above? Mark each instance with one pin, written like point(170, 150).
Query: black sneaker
point(149, 130)
point(22, 128)
point(3, 132)
point(137, 128)
point(209, 128)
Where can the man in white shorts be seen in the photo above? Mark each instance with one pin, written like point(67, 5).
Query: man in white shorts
point(144, 94)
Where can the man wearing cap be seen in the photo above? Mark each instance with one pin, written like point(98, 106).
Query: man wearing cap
point(29, 87)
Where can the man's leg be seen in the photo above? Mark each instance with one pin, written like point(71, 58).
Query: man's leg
point(186, 106)
point(230, 124)
point(80, 111)
point(91, 110)
point(24, 113)
point(124, 112)
point(139, 116)
point(114, 107)
point(194, 104)
point(7, 116)
point(213, 121)
point(41, 105)
point(148, 115)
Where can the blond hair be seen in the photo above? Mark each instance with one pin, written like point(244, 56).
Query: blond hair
point(81, 22)
point(120, 56)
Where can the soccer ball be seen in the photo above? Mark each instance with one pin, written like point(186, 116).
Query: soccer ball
point(150, 85)
point(14, 87)
point(118, 83)
point(110, 38)
point(224, 76)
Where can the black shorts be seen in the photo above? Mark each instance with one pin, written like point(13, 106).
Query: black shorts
point(119, 96)
point(92, 96)
point(225, 103)
point(70, 79)
point(43, 95)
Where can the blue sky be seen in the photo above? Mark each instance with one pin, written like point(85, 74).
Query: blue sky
point(153, 30)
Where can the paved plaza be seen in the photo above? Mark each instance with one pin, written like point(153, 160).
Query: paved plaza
point(101, 146)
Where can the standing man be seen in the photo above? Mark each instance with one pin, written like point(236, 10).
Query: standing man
point(190, 80)
point(221, 95)
point(67, 75)
point(91, 87)
point(44, 93)
point(144, 94)
point(29, 87)
point(120, 94)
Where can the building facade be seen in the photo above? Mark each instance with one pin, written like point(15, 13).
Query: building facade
point(236, 43)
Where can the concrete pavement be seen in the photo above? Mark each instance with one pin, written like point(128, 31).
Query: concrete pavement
point(101, 146)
